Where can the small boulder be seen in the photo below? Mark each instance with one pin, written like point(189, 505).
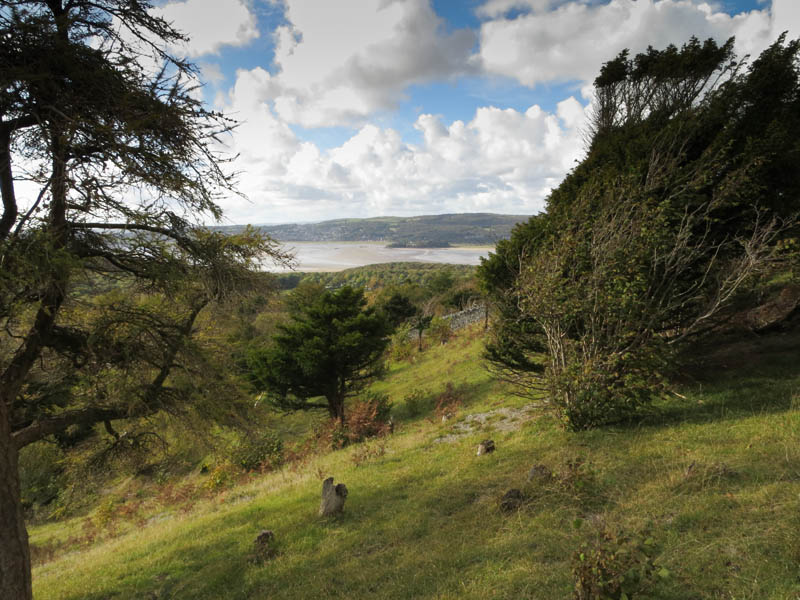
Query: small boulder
point(333, 497)
point(263, 547)
point(540, 474)
point(485, 447)
point(512, 500)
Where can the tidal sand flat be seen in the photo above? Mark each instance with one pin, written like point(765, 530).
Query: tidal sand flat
point(338, 256)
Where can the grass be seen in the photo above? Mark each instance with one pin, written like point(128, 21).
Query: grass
point(714, 480)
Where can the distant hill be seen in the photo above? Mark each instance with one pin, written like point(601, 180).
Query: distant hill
point(430, 231)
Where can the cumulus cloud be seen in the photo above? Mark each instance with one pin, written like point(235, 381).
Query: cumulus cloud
point(786, 17)
point(339, 62)
point(211, 24)
point(572, 41)
point(502, 160)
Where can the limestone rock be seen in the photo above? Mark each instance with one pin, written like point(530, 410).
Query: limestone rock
point(485, 447)
point(333, 497)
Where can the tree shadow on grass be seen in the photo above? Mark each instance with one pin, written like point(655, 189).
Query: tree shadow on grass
point(739, 377)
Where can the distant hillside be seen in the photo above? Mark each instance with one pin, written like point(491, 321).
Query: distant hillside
point(431, 231)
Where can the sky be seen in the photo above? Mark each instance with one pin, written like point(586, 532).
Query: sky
point(362, 108)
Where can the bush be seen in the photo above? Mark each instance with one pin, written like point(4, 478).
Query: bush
point(588, 394)
point(263, 452)
point(439, 330)
point(221, 476)
point(402, 347)
point(40, 473)
point(615, 567)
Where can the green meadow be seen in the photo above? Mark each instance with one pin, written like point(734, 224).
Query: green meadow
point(707, 483)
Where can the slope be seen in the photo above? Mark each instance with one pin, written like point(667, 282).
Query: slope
point(710, 483)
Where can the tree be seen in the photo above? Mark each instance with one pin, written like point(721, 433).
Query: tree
point(419, 323)
point(688, 197)
point(398, 308)
point(331, 348)
point(106, 160)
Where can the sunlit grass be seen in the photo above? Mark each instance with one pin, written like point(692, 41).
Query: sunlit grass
point(715, 480)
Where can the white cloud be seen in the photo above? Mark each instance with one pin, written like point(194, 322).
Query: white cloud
point(786, 17)
point(341, 61)
point(211, 24)
point(572, 41)
point(502, 160)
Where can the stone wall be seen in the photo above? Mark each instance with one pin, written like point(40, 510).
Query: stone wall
point(461, 319)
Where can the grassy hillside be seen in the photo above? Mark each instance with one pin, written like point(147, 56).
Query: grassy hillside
point(709, 482)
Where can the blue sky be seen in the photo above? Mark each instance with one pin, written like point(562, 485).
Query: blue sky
point(356, 108)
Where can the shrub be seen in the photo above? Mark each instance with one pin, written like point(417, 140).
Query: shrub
point(221, 476)
point(588, 394)
point(40, 473)
point(331, 435)
point(402, 347)
point(615, 567)
point(262, 452)
point(439, 330)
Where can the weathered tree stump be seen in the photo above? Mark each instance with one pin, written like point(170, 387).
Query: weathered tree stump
point(333, 497)
point(263, 548)
point(485, 447)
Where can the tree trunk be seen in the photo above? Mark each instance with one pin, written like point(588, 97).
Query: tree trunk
point(336, 406)
point(15, 560)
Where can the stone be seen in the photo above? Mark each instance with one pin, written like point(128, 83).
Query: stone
point(512, 500)
point(540, 473)
point(485, 447)
point(263, 547)
point(333, 497)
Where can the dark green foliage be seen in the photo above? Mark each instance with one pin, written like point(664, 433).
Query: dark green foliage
point(41, 474)
point(688, 198)
point(331, 348)
point(398, 308)
point(410, 279)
